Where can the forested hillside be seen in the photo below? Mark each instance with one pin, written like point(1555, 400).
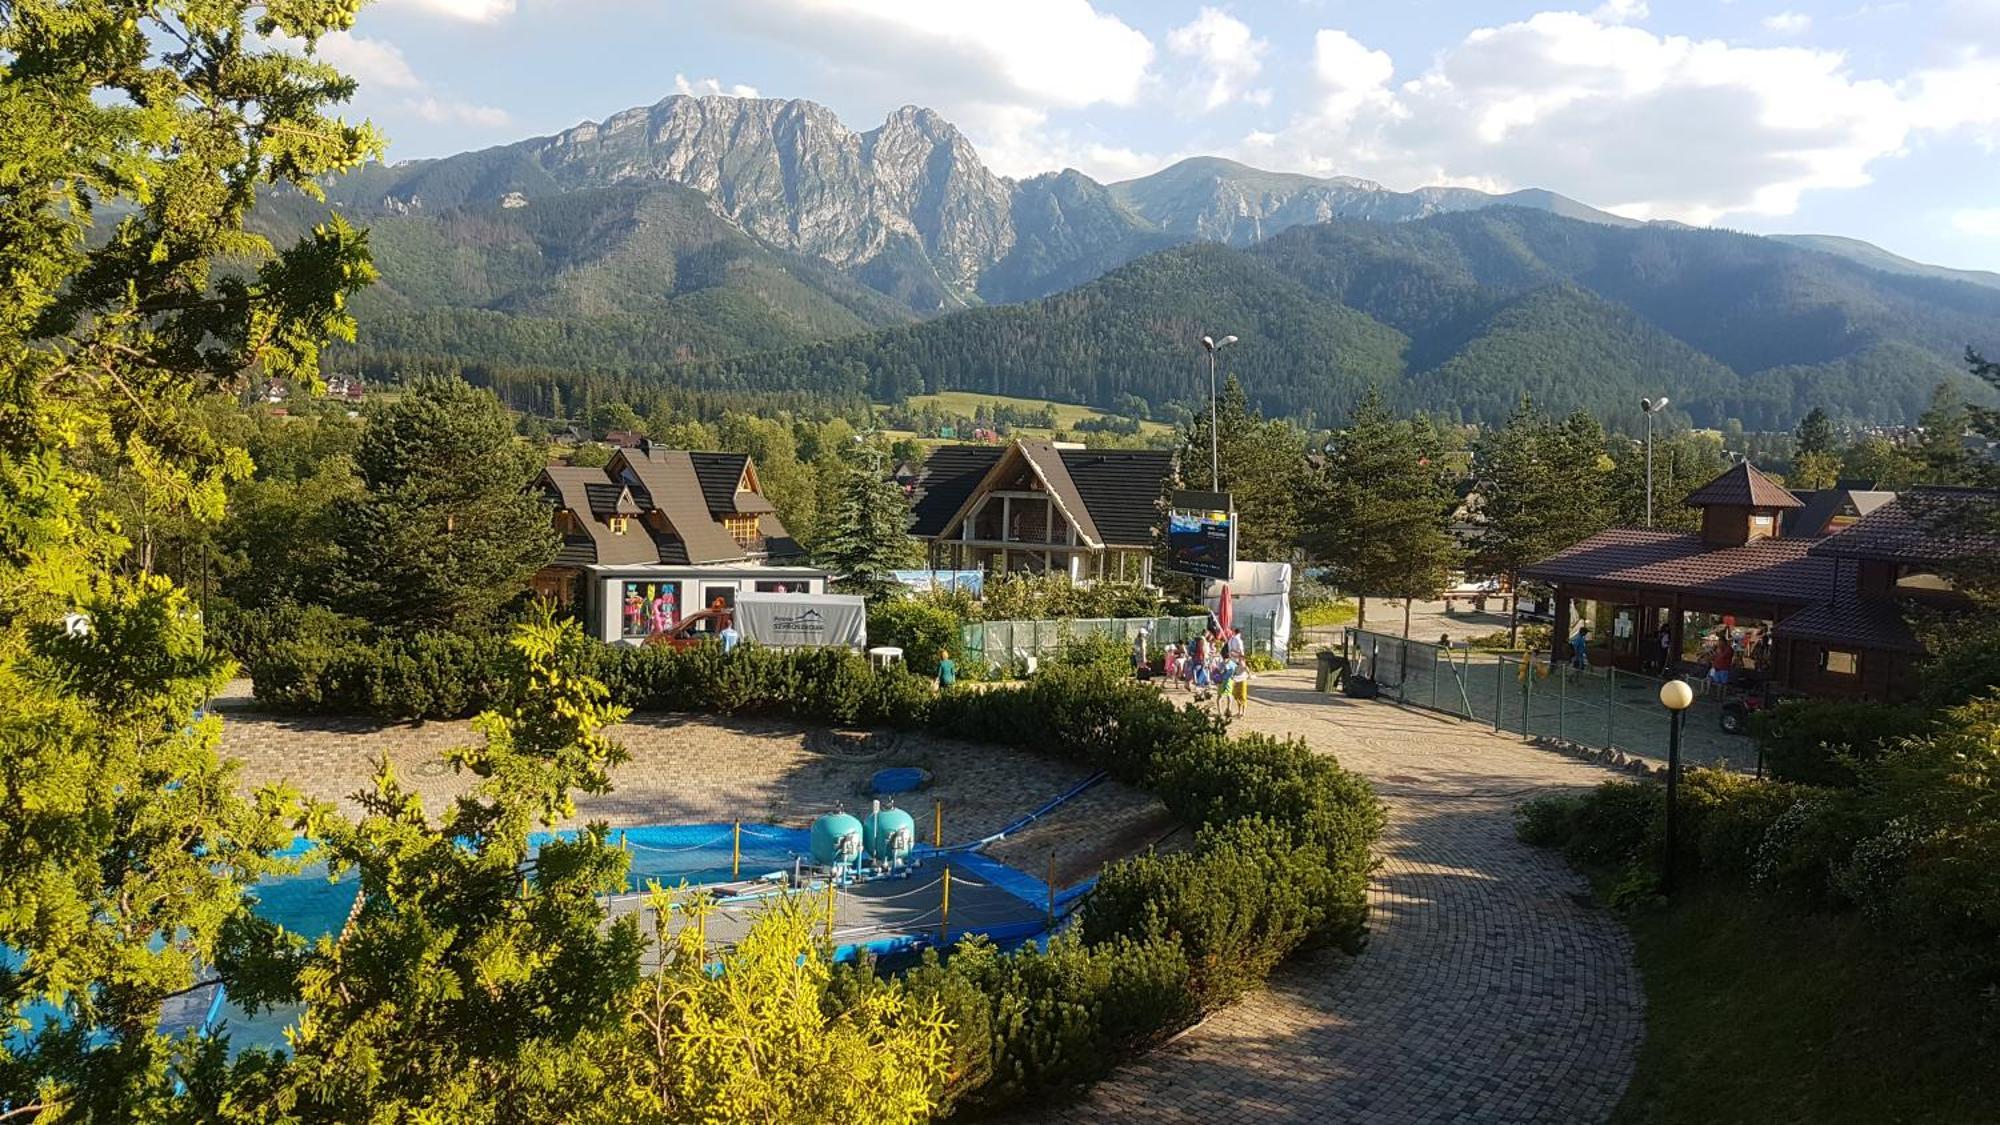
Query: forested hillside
point(1458, 314)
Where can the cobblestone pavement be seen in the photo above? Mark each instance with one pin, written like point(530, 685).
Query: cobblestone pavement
point(1491, 990)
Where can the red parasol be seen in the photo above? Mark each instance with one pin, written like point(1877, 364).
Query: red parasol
point(1222, 612)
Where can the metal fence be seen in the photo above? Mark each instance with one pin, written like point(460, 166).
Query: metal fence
point(1522, 694)
point(1001, 641)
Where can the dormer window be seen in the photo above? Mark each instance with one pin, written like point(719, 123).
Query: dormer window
point(743, 529)
point(620, 524)
point(1763, 525)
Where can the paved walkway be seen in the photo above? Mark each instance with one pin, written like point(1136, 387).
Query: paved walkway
point(1491, 990)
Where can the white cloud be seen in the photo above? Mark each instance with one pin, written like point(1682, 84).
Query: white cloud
point(1351, 76)
point(707, 87)
point(1650, 125)
point(1980, 222)
point(471, 11)
point(1621, 11)
point(378, 66)
point(446, 111)
point(1788, 23)
point(371, 62)
point(996, 70)
point(1227, 57)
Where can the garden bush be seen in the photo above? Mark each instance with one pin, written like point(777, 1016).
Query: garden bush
point(1281, 859)
point(1913, 842)
point(923, 626)
point(1247, 897)
point(1819, 741)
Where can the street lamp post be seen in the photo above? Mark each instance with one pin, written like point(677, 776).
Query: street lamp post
point(1675, 696)
point(1212, 345)
point(1651, 407)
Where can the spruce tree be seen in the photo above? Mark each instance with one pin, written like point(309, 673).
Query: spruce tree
point(1814, 435)
point(868, 537)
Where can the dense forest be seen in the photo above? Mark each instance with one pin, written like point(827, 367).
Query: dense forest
point(1457, 314)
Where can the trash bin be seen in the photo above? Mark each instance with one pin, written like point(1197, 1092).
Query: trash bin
point(1330, 667)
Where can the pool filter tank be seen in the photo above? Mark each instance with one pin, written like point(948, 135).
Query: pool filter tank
point(889, 835)
point(836, 840)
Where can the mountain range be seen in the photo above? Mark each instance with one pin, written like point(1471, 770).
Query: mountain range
point(763, 243)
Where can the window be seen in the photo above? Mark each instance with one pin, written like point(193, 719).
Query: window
point(1840, 663)
point(1763, 525)
point(743, 529)
point(620, 524)
point(1916, 578)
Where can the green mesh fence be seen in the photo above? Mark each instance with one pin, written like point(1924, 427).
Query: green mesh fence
point(1520, 693)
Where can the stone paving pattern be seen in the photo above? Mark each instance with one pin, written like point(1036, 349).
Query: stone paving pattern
point(1491, 990)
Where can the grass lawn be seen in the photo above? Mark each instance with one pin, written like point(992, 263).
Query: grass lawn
point(1327, 614)
point(1758, 1013)
point(1067, 414)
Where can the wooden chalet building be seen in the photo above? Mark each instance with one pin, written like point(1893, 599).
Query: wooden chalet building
point(1038, 507)
point(686, 530)
point(1833, 593)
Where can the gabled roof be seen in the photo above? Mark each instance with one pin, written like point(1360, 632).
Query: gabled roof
point(719, 474)
point(1926, 525)
point(674, 491)
point(1112, 495)
point(1855, 623)
point(1762, 570)
point(950, 474)
point(593, 541)
point(1121, 488)
point(1827, 504)
point(669, 501)
point(1742, 486)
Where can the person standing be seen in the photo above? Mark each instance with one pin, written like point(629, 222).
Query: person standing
point(947, 673)
point(1235, 645)
point(730, 637)
point(1139, 652)
point(1239, 688)
point(1225, 683)
point(1579, 649)
point(1665, 650)
point(1721, 659)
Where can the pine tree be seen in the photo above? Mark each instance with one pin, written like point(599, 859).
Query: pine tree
point(1541, 489)
point(868, 537)
point(1263, 469)
point(1381, 509)
point(135, 141)
point(1814, 435)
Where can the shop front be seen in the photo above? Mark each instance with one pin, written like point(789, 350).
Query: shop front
point(631, 603)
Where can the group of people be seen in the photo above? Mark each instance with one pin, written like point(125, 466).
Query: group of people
point(1214, 662)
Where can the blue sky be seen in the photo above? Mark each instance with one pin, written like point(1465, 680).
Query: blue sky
point(1877, 120)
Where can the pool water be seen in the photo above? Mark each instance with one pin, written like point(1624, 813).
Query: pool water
point(306, 903)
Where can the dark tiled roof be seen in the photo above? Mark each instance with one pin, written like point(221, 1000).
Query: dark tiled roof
point(571, 488)
point(576, 550)
point(1924, 525)
point(609, 498)
point(1048, 464)
point(1744, 487)
point(1867, 623)
point(1810, 522)
point(950, 474)
point(1121, 488)
point(719, 474)
point(1770, 570)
